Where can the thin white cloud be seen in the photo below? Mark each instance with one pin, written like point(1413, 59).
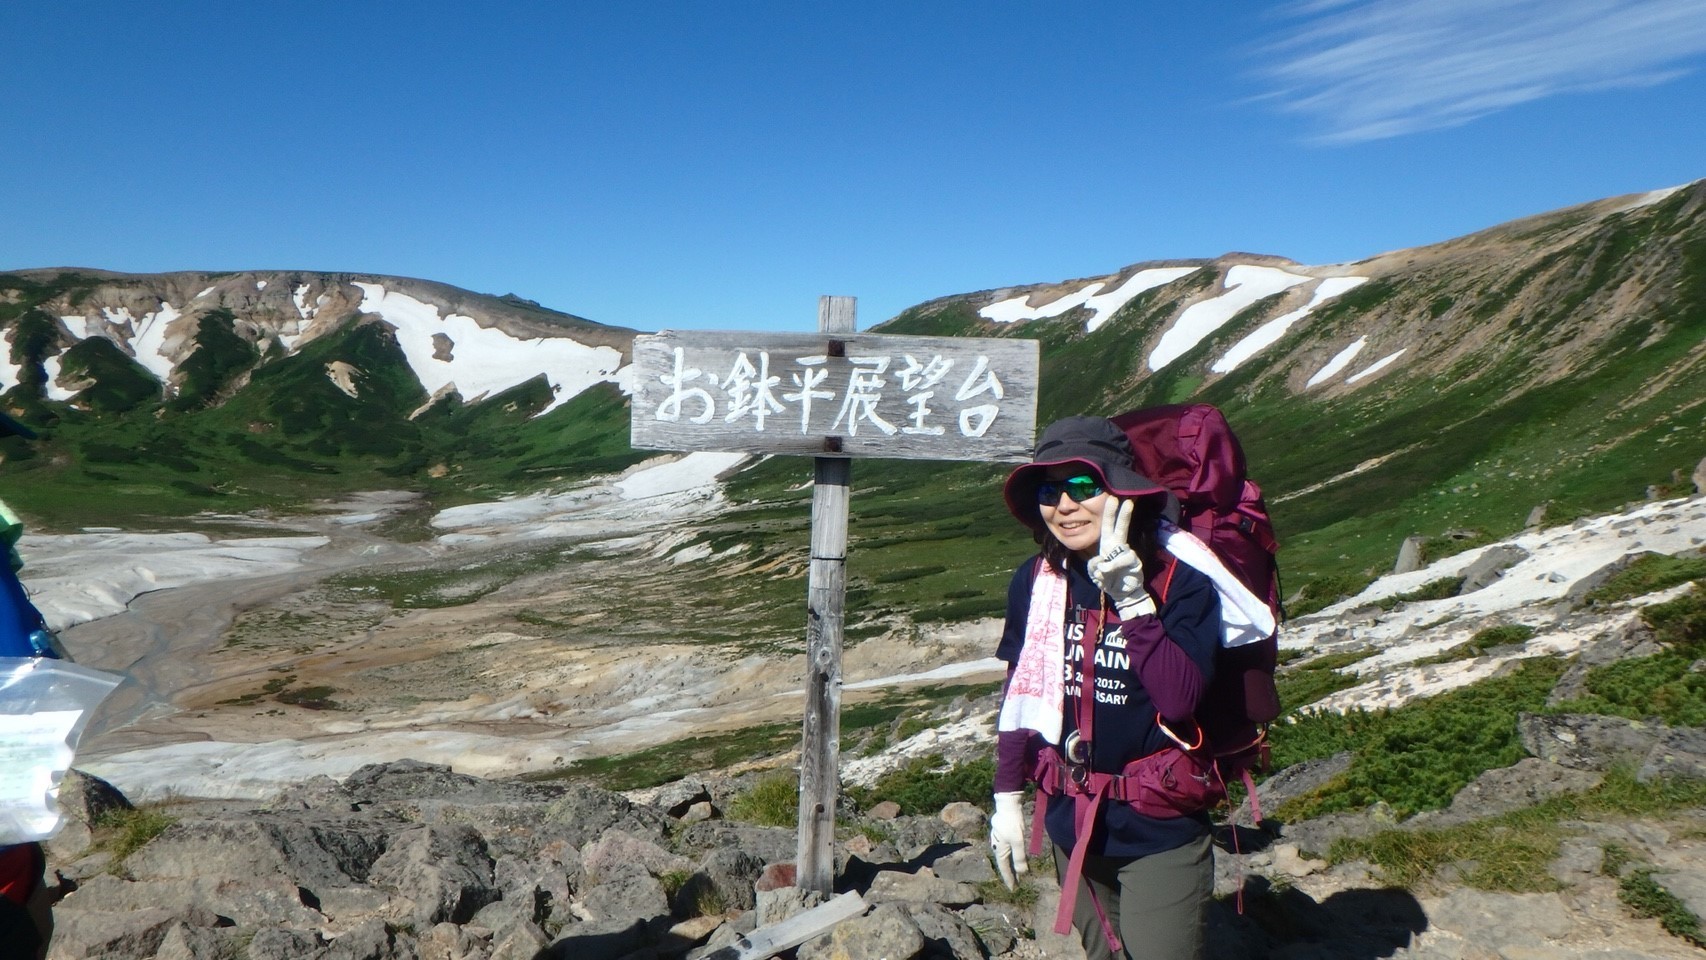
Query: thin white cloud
point(1371, 69)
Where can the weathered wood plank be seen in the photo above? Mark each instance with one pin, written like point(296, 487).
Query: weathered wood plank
point(851, 394)
point(792, 932)
point(826, 589)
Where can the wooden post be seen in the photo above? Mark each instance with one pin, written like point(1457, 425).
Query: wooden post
point(820, 742)
point(833, 395)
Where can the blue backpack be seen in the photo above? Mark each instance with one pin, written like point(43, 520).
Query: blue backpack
point(23, 631)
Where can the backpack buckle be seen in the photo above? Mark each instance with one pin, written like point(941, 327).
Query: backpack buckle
point(1076, 752)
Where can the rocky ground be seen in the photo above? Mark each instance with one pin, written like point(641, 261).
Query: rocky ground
point(410, 861)
point(304, 830)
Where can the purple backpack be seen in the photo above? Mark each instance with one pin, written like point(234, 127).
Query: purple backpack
point(1190, 450)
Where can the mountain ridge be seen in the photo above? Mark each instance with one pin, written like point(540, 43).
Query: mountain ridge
point(1555, 359)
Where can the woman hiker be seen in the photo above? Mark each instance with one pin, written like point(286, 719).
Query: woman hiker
point(1110, 642)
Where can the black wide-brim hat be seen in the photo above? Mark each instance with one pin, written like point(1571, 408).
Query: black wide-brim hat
point(1100, 445)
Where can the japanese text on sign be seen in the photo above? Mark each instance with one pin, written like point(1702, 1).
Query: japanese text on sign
point(864, 394)
point(753, 394)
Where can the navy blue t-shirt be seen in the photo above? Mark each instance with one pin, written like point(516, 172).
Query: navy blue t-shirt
point(1124, 719)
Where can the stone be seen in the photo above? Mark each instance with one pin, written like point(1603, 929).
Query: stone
point(122, 935)
point(448, 941)
point(372, 939)
point(1525, 783)
point(883, 810)
point(945, 932)
point(1498, 920)
point(1289, 861)
point(921, 887)
point(83, 800)
point(966, 821)
point(1699, 477)
point(733, 875)
point(1586, 741)
point(1680, 752)
point(1409, 555)
point(777, 876)
point(1578, 860)
point(523, 942)
point(887, 931)
point(1490, 566)
point(445, 871)
point(995, 927)
point(184, 942)
point(775, 906)
point(629, 892)
point(969, 864)
point(1301, 778)
point(543, 884)
point(310, 853)
point(617, 849)
point(268, 901)
point(595, 940)
point(283, 944)
point(1688, 886)
point(676, 798)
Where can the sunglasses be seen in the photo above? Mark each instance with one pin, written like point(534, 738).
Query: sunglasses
point(1079, 489)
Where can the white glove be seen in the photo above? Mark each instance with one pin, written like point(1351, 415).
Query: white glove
point(1116, 567)
point(1007, 836)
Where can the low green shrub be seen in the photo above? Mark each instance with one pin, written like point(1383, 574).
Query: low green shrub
point(1647, 898)
point(1512, 851)
point(926, 784)
point(773, 801)
point(1324, 591)
point(1308, 682)
point(123, 832)
point(1480, 643)
point(1432, 590)
point(1417, 756)
point(1647, 574)
point(1664, 686)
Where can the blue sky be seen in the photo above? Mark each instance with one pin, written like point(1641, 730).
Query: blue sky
point(721, 165)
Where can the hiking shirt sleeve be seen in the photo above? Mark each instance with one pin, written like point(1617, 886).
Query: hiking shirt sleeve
point(1173, 652)
point(1013, 748)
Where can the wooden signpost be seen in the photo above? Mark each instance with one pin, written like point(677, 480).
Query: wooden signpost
point(833, 396)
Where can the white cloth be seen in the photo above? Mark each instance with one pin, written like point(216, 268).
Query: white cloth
point(1037, 688)
point(1244, 617)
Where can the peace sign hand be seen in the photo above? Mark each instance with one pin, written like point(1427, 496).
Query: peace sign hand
point(1116, 567)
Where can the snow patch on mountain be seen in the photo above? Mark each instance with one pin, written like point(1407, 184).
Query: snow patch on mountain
point(485, 360)
point(1340, 361)
point(1269, 333)
point(1529, 592)
point(1101, 305)
point(1375, 367)
point(1245, 285)
point(54, 390)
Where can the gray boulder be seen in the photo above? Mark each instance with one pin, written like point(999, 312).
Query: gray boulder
point(444, 870)
point(122, 935)
point(286, 945)
point(598, 940)
point(310, 853)
point(1586, 741)
point(887, 931)
point(1490, 566)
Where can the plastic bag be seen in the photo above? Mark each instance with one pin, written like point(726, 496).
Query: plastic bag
point(44, 706)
